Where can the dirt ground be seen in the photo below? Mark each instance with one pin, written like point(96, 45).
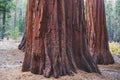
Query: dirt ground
point(11, 62)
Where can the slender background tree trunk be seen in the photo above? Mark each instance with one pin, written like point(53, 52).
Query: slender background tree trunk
point(15, 14)
point(3, 26)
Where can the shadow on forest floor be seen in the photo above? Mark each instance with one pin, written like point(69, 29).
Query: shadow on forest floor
point(11, 62)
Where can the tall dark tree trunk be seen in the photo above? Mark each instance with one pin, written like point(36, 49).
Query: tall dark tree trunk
point(96, 30)
point(4, 20)
point(55, 38)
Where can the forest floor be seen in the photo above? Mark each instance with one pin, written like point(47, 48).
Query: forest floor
point(11, 62)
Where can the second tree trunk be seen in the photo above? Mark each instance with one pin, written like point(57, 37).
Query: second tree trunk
point(96, 31)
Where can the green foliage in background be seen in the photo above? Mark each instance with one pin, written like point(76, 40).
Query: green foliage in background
point(21, 25)
point(6, 4)
point(114, 48)
point(8, 31)
point(14, 24)
point(112, 9)
point(118, 7)
point(15, 33)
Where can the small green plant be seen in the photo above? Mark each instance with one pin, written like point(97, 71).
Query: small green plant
point(15, 33)
point(114, 48)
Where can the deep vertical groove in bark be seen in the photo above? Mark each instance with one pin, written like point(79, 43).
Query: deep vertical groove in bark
point(56, 35)
point(96, 31)
point(69, 32)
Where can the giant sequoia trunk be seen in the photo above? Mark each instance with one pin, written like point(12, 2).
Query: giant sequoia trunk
point(96, 30)
point(55, 38)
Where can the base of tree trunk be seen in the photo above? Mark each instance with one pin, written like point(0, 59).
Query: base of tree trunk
point(55, 38)
point(96, 32)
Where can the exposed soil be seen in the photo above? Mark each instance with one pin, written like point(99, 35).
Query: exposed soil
point(11, 62)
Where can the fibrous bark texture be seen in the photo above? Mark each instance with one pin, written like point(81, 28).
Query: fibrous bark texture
point(96, 31)
point(55, 38)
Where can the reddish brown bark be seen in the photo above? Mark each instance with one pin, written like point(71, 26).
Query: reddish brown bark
point(55, 38)
point(96, 30)
point(28, 31)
